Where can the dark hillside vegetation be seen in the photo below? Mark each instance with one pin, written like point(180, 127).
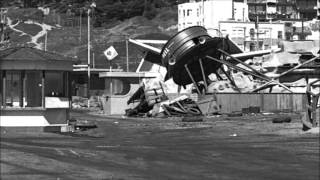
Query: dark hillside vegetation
point(112, 22)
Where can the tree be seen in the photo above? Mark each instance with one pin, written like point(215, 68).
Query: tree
point(149, 9)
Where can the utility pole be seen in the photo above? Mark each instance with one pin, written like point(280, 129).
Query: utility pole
point(89, 46)
point(127, 52)
point(80, 25)
point(46, 41)
point(257, 27)
point(318, 18)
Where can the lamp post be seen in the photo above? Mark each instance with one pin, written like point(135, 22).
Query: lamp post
point(93, 5)
point(89, 46)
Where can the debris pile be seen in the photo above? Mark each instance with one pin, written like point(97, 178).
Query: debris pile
point(154, 102)
point(80, 102)
point(182, 106)
point(145, 98)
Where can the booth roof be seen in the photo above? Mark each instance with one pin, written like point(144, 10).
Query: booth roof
point(28, 58)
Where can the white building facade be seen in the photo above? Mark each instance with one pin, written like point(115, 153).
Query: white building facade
point(245, 33)
point(209, 13)
point(232, 19)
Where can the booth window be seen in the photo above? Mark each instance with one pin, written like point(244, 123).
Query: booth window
point(22, 88)
point(54, 84)
point(13, 89)
point(117, 86)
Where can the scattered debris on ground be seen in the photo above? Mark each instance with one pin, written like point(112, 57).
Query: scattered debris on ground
point(81, 125)
point(282, 119)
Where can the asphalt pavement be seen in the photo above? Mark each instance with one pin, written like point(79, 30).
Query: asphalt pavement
point(222, 148)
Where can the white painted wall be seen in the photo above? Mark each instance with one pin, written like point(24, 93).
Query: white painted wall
point(242, 30)
point(241, 12)
point(233, 29)
point(215, 11)
point(209, 13)
point(189, 14)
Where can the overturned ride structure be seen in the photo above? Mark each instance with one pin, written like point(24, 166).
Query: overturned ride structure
point(192, 55)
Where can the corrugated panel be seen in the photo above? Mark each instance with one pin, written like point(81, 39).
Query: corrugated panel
point(231, 102)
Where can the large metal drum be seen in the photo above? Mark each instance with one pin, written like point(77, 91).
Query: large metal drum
point(187, 47)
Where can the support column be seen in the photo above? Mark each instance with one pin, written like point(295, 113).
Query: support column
point(43, 89)
point(21, 97)
point(230, 79)
point(24, 89)
point(203, 75)
point(4, 82)
point(191, 77)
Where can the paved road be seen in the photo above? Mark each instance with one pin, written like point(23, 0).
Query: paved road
point(222, 149)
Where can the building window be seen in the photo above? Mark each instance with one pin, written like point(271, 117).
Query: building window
point(22, 89)
point(280, 35)
point(260, 9)
point(13, 89)
point(54, 84)
point(189, 11)
point(252, 9)
point(184, 13)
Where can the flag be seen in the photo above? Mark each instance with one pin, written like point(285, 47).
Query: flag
point(110, 53)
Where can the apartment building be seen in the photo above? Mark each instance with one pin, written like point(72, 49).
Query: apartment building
point(268, 10)
point(209, 13)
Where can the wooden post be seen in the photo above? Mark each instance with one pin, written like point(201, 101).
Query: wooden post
point(193, 81)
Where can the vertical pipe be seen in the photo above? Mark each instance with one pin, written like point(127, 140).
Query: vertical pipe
point(193, 81)
point(127, 53)
point(203, 75)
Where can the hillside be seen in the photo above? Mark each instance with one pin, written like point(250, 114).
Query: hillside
point(65, 34)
